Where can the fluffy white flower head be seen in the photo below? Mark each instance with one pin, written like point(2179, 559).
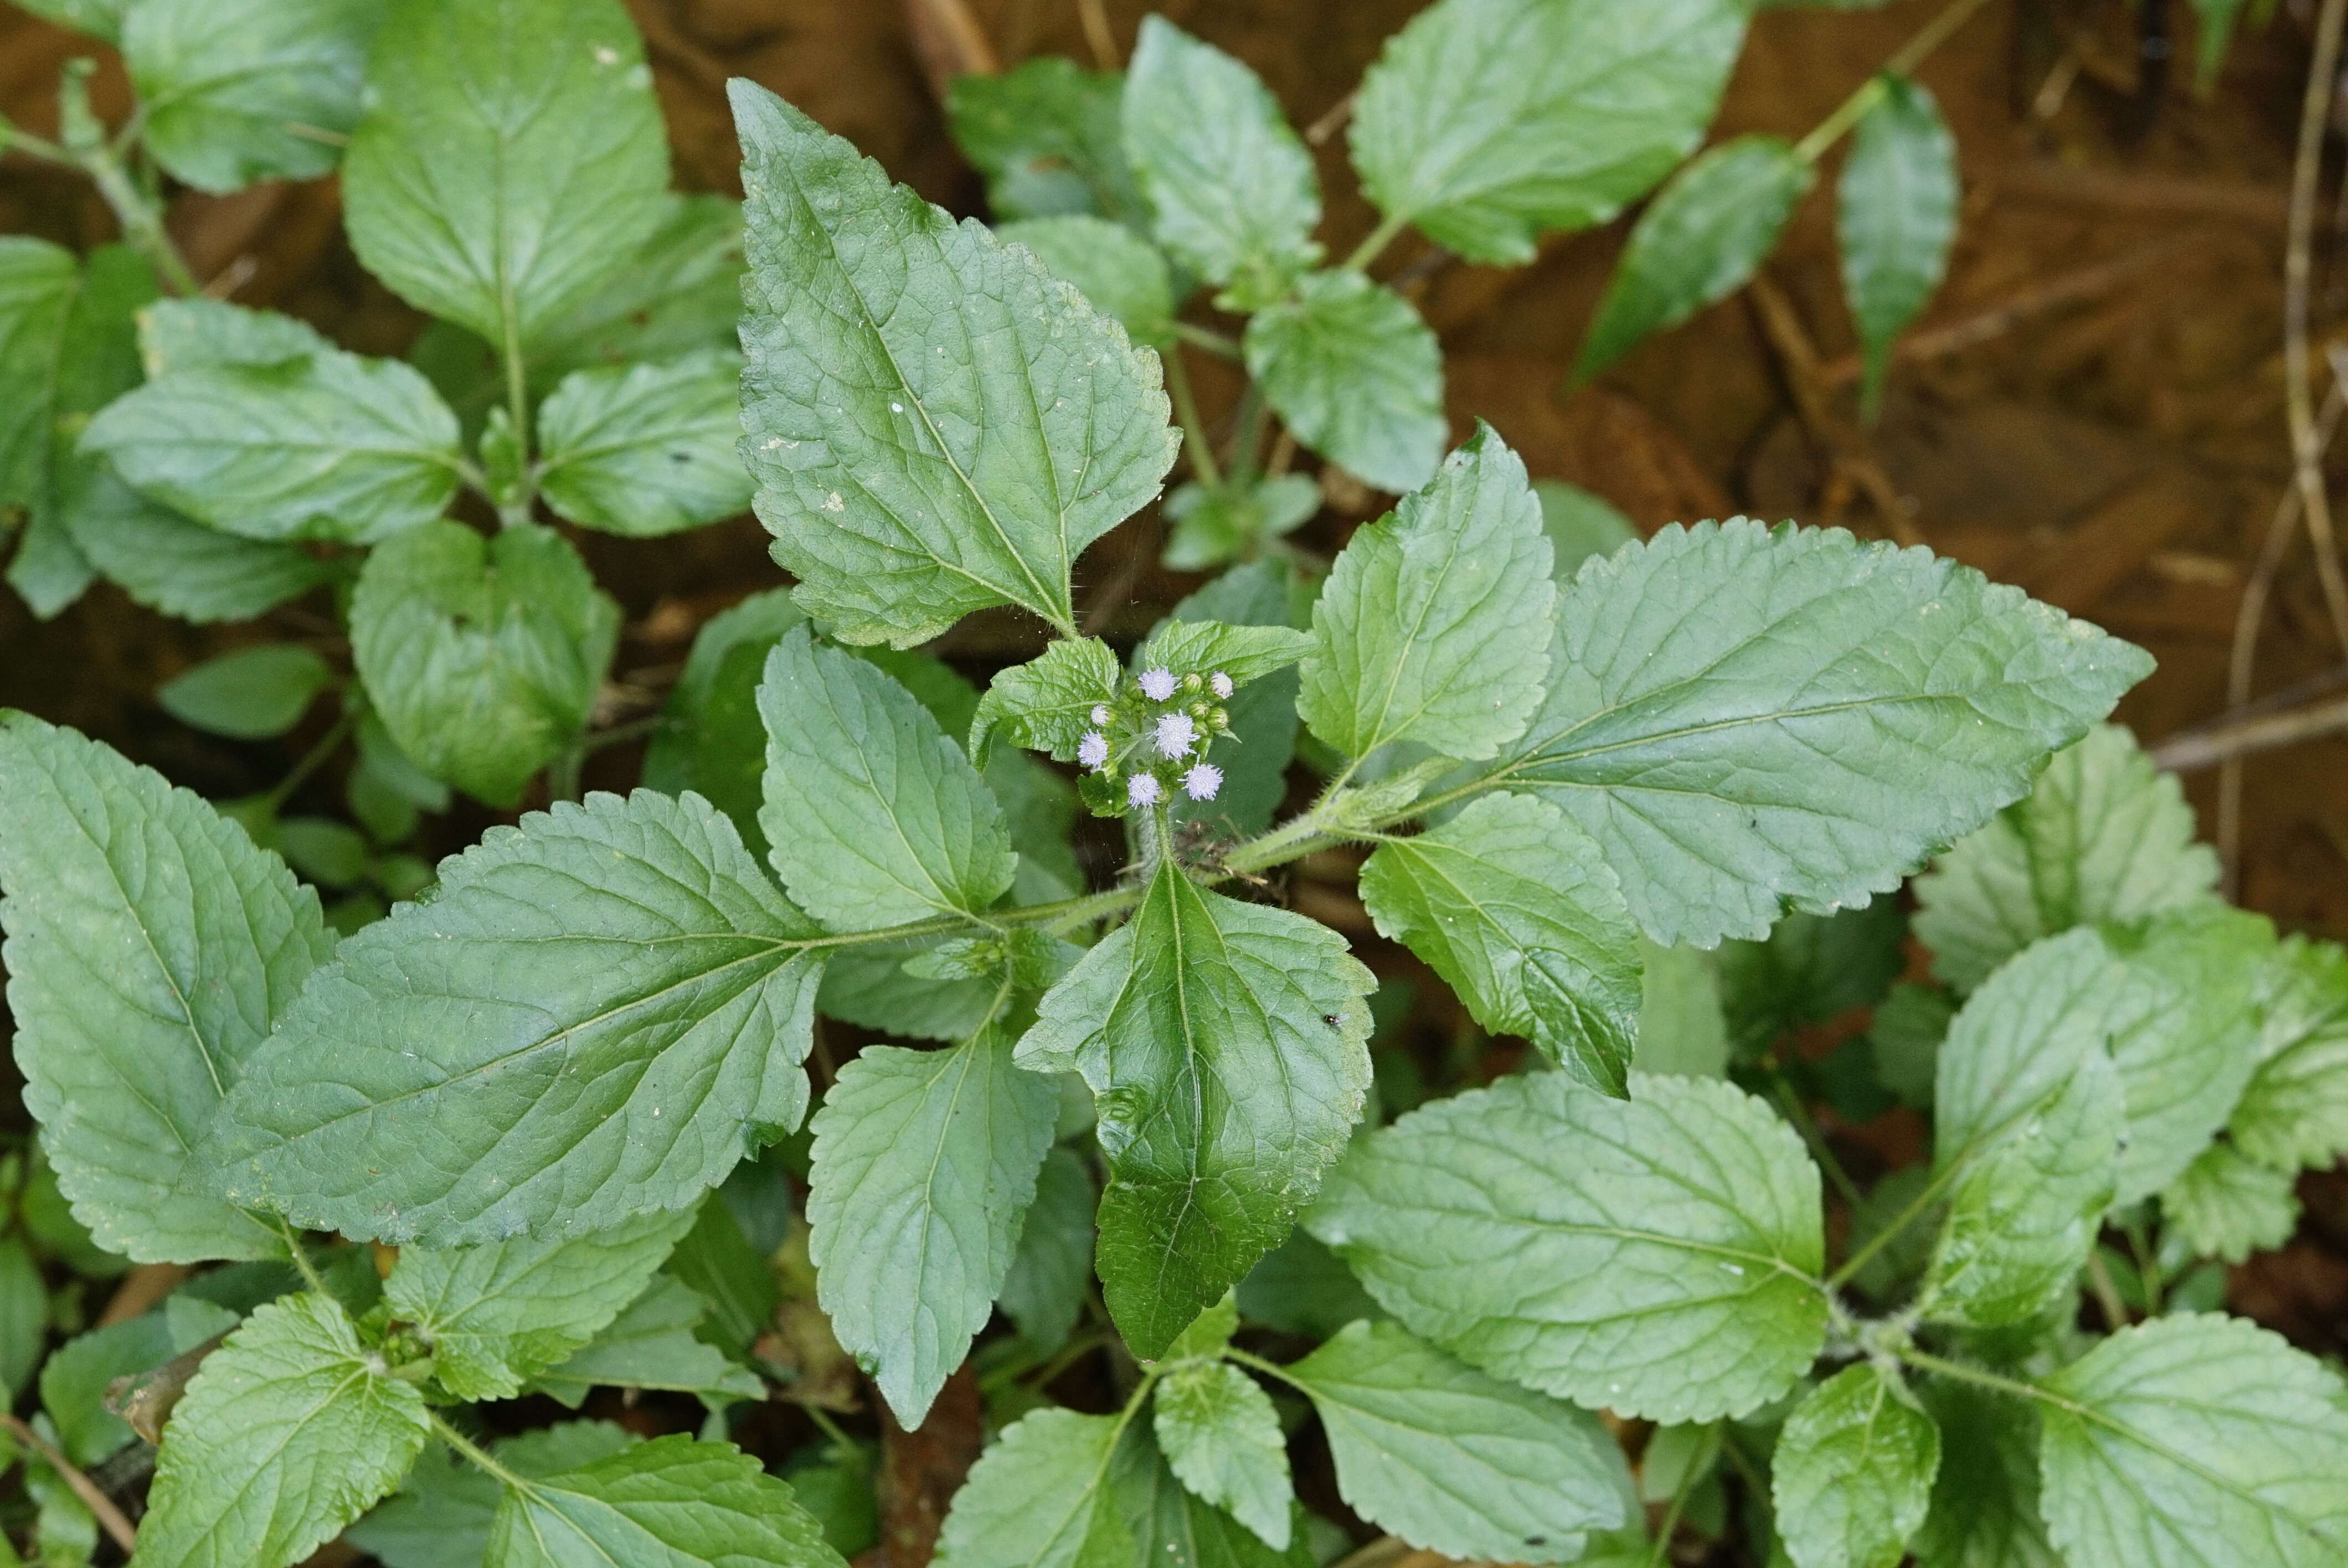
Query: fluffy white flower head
point(1157, 685)
point(1093, 750)
point(1175, 734)
point(1100, 715)
point(1219, 685)
point(1143, 789)
point(1202, 781)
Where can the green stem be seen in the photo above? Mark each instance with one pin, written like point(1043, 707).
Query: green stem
point(1890, 1233)
point(832, 1429)
point(1269, 1369)
point(2108, 1295)
point(1206, 338)
point(1903, 61)
point(311, 761)
point(2010, 1387)
point(475, 1452)
point(301, 1256)
point(620, 735)
point(1378, 240)
point(1807, 1125)
point(562, 781)
point(1697, 1468)
point(1194, 429)
point(142, 225)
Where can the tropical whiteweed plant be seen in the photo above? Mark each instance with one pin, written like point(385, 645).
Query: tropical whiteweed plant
point(541, 1081)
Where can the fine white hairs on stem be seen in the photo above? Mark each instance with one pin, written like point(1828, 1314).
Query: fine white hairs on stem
point(1143, 789)
point(1219, 685)
point(1202, 781)
point(1093, 750)
point(1157, 684)
point(1175, 733)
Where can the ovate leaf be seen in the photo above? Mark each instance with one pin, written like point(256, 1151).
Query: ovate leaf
point(1656, 1256)
point(1046, 134)
point(1041, 1497)
point(1433, 623)
point(1897, 213)
point(924, 1164)
point(672, 1500)
point(653, 1344)
point(2294, 1109)
point(1743, 717)
point(1984, 1511)
point(2102, 835)
point(495, 1315)
point(934, 422)
point(710, 740)
point(2226, 1205)
point(1225, 1044)
point(874, 816)
point(1263, 712)
point(322, 445)
point(2195, 1439)
point(234, 92)
point(289, 1431)
point(1487, 122)
point(1231, 188)
point(1451, 1461)
point(150, 947)
point(2028, 1116)
point(1510, 902)
point(439, 1517)
point(646, 450)
point(1220, 1435)
point(481, 655)
point(1812, 967)
point(509, 163)
point(1700, 240)
point(1044, 1290)
point(250, 695)
point(1121, 273)
point(599, 1014)
point(1579, 524)
point(1357, 376)
point(1853, 1469)
point(1047, 703)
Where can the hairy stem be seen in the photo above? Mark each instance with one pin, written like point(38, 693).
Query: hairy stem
point(1201, 451)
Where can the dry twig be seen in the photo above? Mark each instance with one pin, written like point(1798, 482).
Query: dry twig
point(1850, 456)
point(2306, 449)
point(112, 1518)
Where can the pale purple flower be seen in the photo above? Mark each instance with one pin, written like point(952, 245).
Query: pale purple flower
point(1143, 789)
point(1175, 734)
point(1093, 750)
point(1219, 683)
point(1202, 781)
point(1100, 715)
point(1157, 684)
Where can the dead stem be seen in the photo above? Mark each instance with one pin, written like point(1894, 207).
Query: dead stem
point(2307, 453)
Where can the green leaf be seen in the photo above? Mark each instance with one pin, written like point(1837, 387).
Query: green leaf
point(736, 1278)
point(1238, 518)
point(1811, 968)
point(1909, 1024)
point(1168, 1523)
point(1451, 1461)
point(326, 445)
point(250, 695)
point(1043, 1289)
point(874, 815)
point(1301, 1288)
point(99, 18)
point(1510, 902)
point(1984, 1511)
point(250, 89)
point(1743, 717)
point(1580, 525)
point(1122, 274)
point(23, 1318)
point(1433, 623)
point(652, 1345)
point(2028, 1119)
point(172, 563)
point(1699, 242)
point(510, 162)
point(1256, 753)
point(1658, 1257)
point(481, 656)
point(2102, 835)
point(1897, 213)
point(1188, 643)
point(647, 450)
point(495, 1315)
point(1356, 375)
point(1486, 122)
point(2215, 32)
point(289, 1431)
point(924, 1163)
point(673, 1501)
point(2294, 1109)
point(1220, 1435)
point(75, 1377)
point(677, 296)
point(1047, 703)
point(935, 423)
point(2188, 1059)
point(599, 1013)
point(1231, 188)
point(1040, 1497)
point(150, 947)
point(2226, 1205)
point(711, 740)
point(1682, 1029)
point(2193, 1440)
point(1225, 1044)
point(439, 1517)
point(1046, 134)
point(1852, 1474)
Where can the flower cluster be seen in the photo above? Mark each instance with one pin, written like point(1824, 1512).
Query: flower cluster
point(1153, 737)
